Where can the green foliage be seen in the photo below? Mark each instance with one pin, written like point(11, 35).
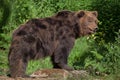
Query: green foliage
point(78, 53)
point(111, 61)
point(3, 62)
point(108, 11)
point(5, 11)
point(102, 58)
point(85, 55)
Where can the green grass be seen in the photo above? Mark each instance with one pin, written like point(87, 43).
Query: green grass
point(78, 50)
point(3, 62)
point(38, 64)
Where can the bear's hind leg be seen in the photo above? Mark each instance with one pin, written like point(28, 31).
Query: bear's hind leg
point(17, 67)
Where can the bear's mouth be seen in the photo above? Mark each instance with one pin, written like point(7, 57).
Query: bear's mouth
point(91, 31)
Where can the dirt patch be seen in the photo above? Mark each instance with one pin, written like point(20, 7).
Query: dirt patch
point(53, 74)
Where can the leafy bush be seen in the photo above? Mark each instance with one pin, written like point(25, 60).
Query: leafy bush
point(111, 61)
point(5, 11)
point(102, 58)
point(108, 11)
point(85, 54)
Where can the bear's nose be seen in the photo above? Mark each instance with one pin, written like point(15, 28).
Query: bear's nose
point(95, 29)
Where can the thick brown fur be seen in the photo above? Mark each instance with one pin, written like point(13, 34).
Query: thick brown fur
point(52, 36)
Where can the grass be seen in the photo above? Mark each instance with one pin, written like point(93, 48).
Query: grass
point(38, 64)
point(3, 62)
point(78, 50)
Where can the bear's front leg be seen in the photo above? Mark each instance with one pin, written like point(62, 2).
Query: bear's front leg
point(60, 56)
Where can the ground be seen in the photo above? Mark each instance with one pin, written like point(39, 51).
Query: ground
point(53, 74)
point(60, 74)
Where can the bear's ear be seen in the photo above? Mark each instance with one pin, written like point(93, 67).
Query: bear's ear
point(80, 14)
point(95, 13)
point(63, 13)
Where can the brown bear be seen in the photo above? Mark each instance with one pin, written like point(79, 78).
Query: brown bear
point(52, 36)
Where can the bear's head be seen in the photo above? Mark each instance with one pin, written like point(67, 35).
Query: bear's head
point(86, 22)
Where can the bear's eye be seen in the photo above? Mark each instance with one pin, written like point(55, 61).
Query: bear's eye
point(90, 20)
